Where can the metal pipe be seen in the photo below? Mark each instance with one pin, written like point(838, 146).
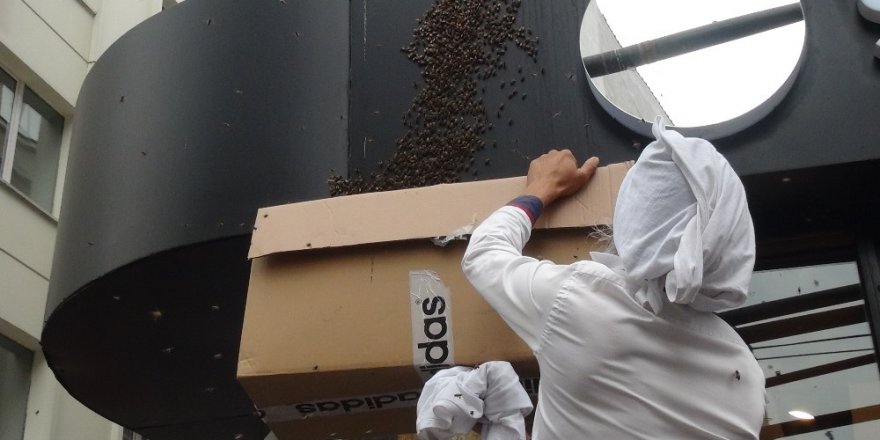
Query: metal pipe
point(794, 304)
point(691, 40)
point(820, 370)
point(797, 325)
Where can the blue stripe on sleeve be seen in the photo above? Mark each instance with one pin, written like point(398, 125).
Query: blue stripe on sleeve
point(532, 206)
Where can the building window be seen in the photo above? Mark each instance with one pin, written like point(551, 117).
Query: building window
point(15, 380)
point(808, 327)
point(30, 142)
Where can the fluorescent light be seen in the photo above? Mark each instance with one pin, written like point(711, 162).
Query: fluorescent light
point(803, 415)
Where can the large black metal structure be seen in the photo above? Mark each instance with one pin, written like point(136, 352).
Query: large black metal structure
point(214, 108)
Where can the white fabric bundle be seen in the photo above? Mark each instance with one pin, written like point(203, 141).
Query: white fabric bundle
point(455, 399)
point(682, 225)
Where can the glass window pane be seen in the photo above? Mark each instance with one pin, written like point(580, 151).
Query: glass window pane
point(808, 329)
point(15, 379)
point(7, 92)
point(37, 148)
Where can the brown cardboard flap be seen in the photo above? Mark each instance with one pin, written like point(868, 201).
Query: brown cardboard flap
point(421, 213)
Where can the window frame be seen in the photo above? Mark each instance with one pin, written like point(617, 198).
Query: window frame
point(14, 121)
point(8, 145)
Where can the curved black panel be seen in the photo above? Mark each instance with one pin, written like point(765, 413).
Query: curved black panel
point(186, 126)
point(154, 344)
point(195, 118)
point(214, 108)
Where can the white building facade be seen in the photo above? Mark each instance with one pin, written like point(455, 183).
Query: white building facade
point(46, 49)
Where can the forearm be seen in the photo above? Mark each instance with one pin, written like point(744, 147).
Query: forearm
point(497, 241)
point(521, 289)
point(500, 239)
point(506, 279)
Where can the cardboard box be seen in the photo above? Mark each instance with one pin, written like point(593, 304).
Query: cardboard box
point(354, 301)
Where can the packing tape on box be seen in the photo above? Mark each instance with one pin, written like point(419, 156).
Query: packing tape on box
point(461, 233)
point(433, 348)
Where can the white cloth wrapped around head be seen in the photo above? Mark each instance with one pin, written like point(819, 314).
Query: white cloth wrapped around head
point(682, 225)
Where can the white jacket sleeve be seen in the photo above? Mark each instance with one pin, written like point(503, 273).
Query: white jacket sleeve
point(521, 289)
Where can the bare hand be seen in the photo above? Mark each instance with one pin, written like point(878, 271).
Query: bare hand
point(556, 174)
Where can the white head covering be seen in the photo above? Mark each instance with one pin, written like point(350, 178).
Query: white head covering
point(682, 225)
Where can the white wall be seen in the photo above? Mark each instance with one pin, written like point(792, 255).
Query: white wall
point(39, 54)
point(116, 17)
point(50, 46)
point(27, 240)
point(53, 414)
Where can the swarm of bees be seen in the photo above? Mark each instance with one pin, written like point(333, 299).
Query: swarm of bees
point(457, 44)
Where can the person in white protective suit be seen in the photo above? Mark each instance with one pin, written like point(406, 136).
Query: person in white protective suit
point(628, 344)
